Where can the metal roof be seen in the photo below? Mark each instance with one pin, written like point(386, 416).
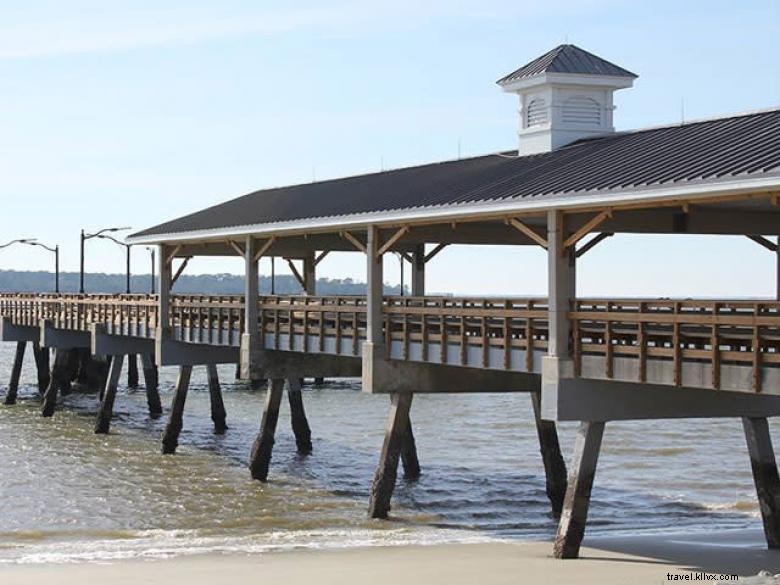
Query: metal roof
point(734, 148)
point(567, 59)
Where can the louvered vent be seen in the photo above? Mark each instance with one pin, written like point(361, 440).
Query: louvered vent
point(537, 113)
point(582, 111)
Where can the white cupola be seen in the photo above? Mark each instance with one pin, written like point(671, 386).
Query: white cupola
point(565, 95)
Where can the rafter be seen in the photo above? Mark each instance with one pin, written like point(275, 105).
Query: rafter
point(393, 239)
point(354, 241)
point(180, 270)
point(169, 258)
point(295, 272)
point(592, 243)
point(429, 256)
point(587, 228)
point(526, 230)
point(762, 241)
point(264, 248)
point(321, 257)
point(237, 247)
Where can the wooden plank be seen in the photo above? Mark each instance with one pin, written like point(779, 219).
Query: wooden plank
point(393, 239)
point(430, 255)
point(354, 241)
point(528, 231)
point(587, 228)
point(264, 248)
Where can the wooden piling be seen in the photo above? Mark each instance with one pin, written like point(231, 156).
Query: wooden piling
point(170, 438)
point(765, 476)
point(16, 373)
point(152, 383)
point(300, 424)
point(106, 410)
point(132, 371)
point(411, 463)
point(386, 473)
point(262, 448)
point(571, 527)
point(218, 414)
point(554, 465)
point(41, 355)
point(56, 381)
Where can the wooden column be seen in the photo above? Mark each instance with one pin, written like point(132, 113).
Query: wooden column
point(375, 293)
point(777, 269)
point(554, 465)
point(16, 373)
point(571, 527)
point(765, 476)
point(42, 356)
point(385, 476)
point(218, 414)
point(170, 438)
point(418, 271)
point(300, 425)
point(132, 371)
point(152, 383)
point(561, 273)
point(56, 379)
point(109, 395)
point(260, 458)
point(309, 274)
point(250, 339)
point(164, 298)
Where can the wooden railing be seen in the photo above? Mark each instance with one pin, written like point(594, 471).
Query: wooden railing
point(712, 332)
point(448, 330)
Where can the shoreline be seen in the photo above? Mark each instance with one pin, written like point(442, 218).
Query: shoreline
point(604, 560)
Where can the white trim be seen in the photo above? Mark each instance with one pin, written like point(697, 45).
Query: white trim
point(527, 205)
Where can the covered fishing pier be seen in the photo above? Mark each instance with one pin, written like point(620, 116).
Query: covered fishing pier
point(587, 360)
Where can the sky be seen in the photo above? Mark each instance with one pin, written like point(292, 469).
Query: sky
point(129, 113)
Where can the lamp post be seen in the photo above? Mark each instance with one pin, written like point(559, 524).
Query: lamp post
point(153, 254)
point(84, 238)
point(127, 255)
point(55, 250)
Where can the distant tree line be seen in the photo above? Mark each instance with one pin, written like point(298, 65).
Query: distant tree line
point(216, 284)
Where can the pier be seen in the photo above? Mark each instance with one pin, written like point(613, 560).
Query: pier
point(592, 360)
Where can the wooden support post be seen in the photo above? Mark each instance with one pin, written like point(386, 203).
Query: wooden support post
point(260, 459)
point(218, 414)
point(409, 458)
point(554, 465)
point(56, 380)
point(165, 259)
point(562, 286)
point(132, 371)
point(152, 383)
point(250, 338)
point(309, 274)
point(571, 527)
point(170, 438)
point(109, 395)
point(42, 356)
point(777, 269)
point(300, 425)
point(765, 476)
point(16, 373)
point(386, 473)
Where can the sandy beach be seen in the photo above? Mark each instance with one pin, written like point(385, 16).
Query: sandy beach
point(606, 561)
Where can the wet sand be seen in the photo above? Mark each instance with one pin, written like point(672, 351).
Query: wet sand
point(605, 561)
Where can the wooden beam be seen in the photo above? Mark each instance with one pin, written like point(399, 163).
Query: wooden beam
point(264, 248)
point(407, 256)
point(169, 258)
point(429, 256)
point(524, 229)
point(180, 270)
point(239, 250)
point(762, 241)
point(593, 243)
point(587, 228)
point(393, 239)
point(295, 272)
point(321, 257)
point(354, 241)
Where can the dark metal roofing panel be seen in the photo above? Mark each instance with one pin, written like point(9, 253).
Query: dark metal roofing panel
point(567, 59)
point(738, 146)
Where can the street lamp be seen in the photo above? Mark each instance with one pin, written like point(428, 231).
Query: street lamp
point(55, 250)
point(127, 252)
point(153, 253)
point(84, 238)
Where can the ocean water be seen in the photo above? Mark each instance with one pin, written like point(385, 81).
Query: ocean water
point(69, 495)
